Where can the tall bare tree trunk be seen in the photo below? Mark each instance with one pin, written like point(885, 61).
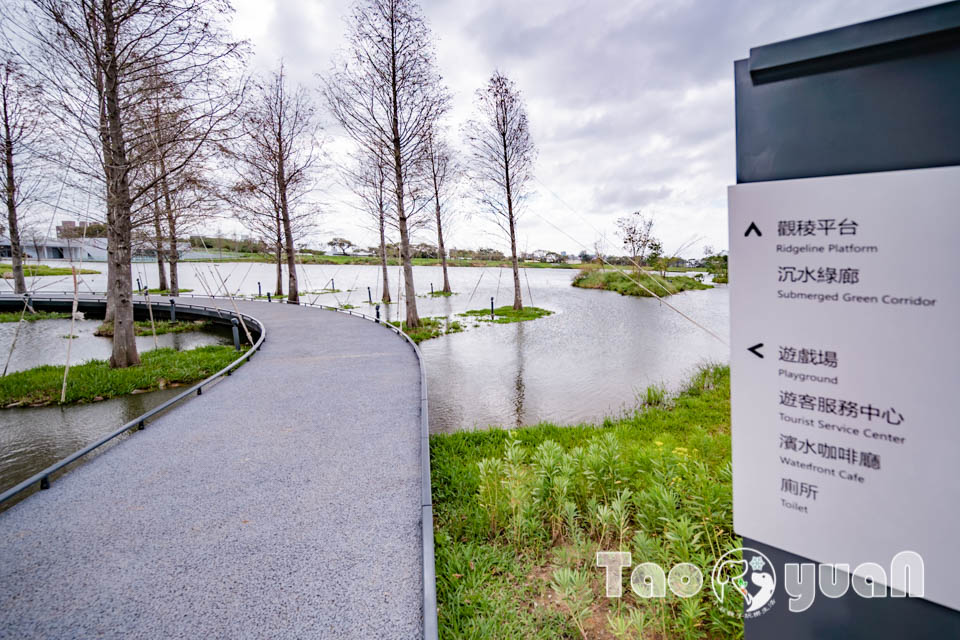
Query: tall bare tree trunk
point(16, 250)
point(517, 300)
point(173, 257)
point(118, 190)
point(440, 248)
point(158, 242)
point(511, 219)
point(413, 318)
point(278, 290)
point(292, 292)
point(385, 298)
point(111, 307)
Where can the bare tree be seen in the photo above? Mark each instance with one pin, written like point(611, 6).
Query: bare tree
point(636, 233)
point(366, 176)
point(442, 174)
point(96, 59)
point(279, 154)
point(387, 94)
point(21, 129)
point(502, 158)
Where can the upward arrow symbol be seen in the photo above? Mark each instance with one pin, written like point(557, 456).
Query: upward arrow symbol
point(753, 227)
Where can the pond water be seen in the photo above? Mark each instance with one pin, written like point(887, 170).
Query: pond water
point(587, 361)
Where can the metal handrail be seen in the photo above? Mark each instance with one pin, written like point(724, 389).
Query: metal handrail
point(43, 477)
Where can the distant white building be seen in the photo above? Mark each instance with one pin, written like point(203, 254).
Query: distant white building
point(71, 249)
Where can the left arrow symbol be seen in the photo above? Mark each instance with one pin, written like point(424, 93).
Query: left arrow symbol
point(755, 349)
point(753, 228)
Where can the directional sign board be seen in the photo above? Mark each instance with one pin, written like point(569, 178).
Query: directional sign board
point(845, 327)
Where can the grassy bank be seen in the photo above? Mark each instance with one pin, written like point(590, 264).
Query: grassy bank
point(430, 327)
point(166, 292)
point(144, 328)
point(95, 380)
point(31, 270)
point(627, 283)
point(14, 316)
point(520, 515)
point(505, 315)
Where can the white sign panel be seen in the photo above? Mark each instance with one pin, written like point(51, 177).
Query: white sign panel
point(845, 356)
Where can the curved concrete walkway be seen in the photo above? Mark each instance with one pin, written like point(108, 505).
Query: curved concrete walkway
point(282, 503)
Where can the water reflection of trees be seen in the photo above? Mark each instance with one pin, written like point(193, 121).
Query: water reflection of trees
point(519, 386)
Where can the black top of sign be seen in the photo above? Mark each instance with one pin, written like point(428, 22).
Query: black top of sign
point(893, 36)
point(882, 95)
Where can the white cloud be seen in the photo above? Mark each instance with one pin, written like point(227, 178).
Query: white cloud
point(631, 103)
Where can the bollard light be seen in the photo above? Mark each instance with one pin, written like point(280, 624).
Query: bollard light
point(236, 333)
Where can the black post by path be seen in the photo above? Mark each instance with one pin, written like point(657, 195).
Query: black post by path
point(491, 308)
point(259, 290)
point(369, 296)
point(173, 310)
point(234, 325)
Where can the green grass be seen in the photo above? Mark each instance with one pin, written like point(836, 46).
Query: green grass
point(144, 328)
point(721, 278)
point(14, 316)
point(505, 315)
point(95, 380)
point(627, 283)
point(520, 515)
point(166, 292)
point(438, 294)
point(31, 270)
point(430, 327)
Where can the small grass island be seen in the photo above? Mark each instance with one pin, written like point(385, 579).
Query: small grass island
point(94, 380)
point(430, 327)
point(145, 328)
point(33, 270)
point(629, 283)
point(507, 314)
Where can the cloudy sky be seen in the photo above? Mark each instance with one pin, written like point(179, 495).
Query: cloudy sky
point(631, 102)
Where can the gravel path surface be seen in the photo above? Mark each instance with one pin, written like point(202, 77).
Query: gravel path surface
point(282, 503)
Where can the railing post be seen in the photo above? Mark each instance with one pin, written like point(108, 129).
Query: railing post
point(173, 310)
point(236, 333)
